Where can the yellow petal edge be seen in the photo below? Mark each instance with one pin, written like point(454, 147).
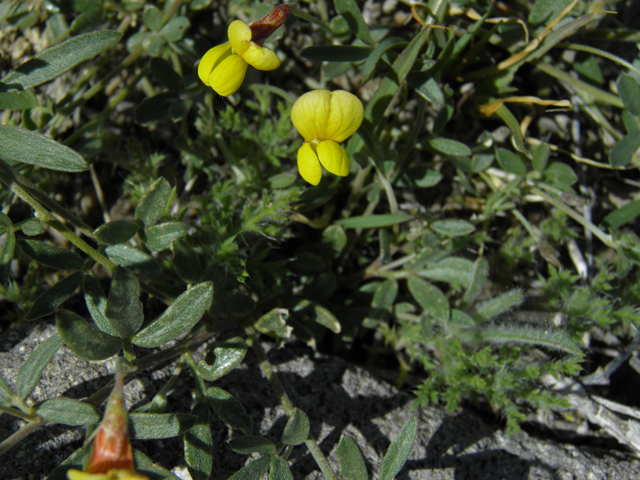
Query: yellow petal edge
point(308, 164)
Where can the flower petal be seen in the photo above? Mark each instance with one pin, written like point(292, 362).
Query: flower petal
point(261, 57)
point(308, 164)
point(345, 116)
point(333, 157)
point(228, 75)
point(310, 114)
point(210, 59)
point(239, 36)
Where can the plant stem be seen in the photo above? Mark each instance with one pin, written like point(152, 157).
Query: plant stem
point(604, 238)
point(21, 434)
point(17, 413)
point(286, 403)
point(43, 214)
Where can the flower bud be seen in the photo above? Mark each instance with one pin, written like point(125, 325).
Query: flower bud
point(263, 28)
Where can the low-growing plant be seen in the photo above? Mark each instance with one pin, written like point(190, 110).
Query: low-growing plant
point(151, 203)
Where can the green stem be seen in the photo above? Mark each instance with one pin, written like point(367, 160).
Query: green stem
point(17, 413)
point(604, 238)
point(286, 403)
point(20, 435)
point(43, 214)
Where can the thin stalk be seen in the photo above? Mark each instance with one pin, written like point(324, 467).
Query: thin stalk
point(17, 413)
point(15, 438)
point(286, 403)
point(44, 215)
point(604, 238)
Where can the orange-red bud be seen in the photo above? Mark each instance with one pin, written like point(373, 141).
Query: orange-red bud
point(263, 28)
point(111, 447)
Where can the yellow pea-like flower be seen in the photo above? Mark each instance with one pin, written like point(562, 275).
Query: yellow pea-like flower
point(115, 474)
point(223, 67)
point(325, 119)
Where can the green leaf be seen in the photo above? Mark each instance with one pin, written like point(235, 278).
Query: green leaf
point(153, 203)
point(174, 30)
point(54, 257)
point(254, 470)
point(113, 233)
point(152, 18)
point(374, 221)
point(518, 139)
point(449, 146)
point(479, 279)
point(427, 87)
point(56, 60)
point(124, 310)
point(377, 53)
point(557, 340)
point(6, 255)
point(546, 10)
point(430, 298)
point(629, 92)
point(229, 354)
point(153, 109)
point(135, 260)
point(560, 174)
point(497, 306)
point(159, 237)
point(49, 300)
point(84, 339)
point(296, 431)
point(422, 177)
point(17, 100)
point(165, 74)
point(623, 214)
point(274, 323)
point(178, 318)
point(198, 444)
point(146, 467)
point(460, 319)
point(352, 465)
point(540, 157)
point(353, 16)
point(510, 162)
point(622, 153)
point(6, 225)
point(185, 261)
point(96, 302)
point(453, 228)
point(454, 270)
point(67, 412)
point(31, 370)
point(325, 318)
point(631, 122)
point(32, 228)
point(6, 395)
point(229, 410)
point(279, 469)
point(151, 426)
point(252, 444)
point(374, 112)
point(586, 65)
point(75, 460)
point(399, 450)
point(382, 302)
point(336, 53)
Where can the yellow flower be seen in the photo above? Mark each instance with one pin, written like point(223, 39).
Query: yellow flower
point(223, 67)
point(325, 119)
point(122, 474)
